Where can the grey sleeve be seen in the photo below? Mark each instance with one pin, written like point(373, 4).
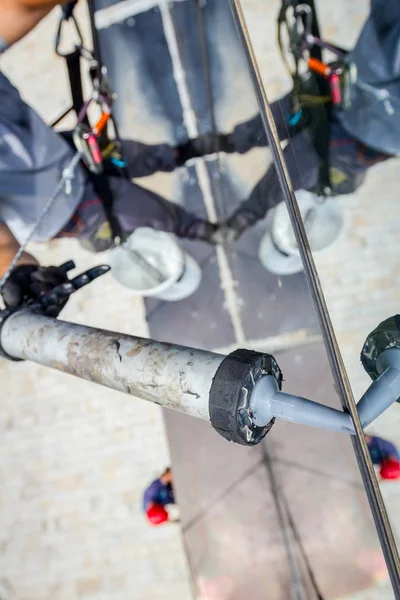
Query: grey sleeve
point(15, 138)
point(12, 107)
point(384, 13)
point(2, 201)
point(8, 96)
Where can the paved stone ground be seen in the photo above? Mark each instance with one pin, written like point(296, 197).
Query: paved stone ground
point(76, 457)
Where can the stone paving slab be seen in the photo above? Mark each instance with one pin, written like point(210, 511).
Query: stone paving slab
point(228, 516)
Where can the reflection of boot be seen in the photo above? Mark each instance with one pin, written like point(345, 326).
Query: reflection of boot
point(102, 240)
point(343, 182)
point(94, 245)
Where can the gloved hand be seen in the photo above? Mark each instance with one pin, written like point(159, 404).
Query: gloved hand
point(220, 233)
point(232, 228)
point(224, 234)
point(30, 282)
point(203, 145)
point(201, 230)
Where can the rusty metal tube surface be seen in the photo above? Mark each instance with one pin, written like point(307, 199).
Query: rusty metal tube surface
point(173, 376)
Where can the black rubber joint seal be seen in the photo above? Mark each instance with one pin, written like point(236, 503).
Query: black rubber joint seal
point(231, 391)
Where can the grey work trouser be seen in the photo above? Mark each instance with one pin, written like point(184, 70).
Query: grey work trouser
point(134, 205)
point(301, 160)
point(348, 158)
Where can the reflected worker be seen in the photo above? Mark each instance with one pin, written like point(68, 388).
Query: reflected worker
point(358, 137)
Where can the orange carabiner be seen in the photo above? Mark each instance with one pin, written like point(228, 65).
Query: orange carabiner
point(319, 67)
point(101, 123)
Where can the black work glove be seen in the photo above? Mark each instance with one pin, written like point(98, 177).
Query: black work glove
point(225, 232)
point(230, 230)
point(27, 283)
point(201, 230)
point(203, 145)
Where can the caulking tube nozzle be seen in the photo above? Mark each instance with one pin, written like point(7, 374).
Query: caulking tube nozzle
point(268, 402)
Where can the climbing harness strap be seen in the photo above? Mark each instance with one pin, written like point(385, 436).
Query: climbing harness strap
point(73, 58)
point(90, 141)
point(317, 86)
point(310, 96)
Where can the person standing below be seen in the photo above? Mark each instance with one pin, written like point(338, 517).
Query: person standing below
point(385, 455)
point(158, 496)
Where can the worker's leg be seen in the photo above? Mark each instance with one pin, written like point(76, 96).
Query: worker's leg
point(303, 166)
point(138, 207)
point(144, 159)
point(349, 160)
point(245, 136)
point(135, 207)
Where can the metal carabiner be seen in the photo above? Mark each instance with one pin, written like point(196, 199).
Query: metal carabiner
point(303, 14)
point(298, 24)
point(66, 17)
point(105, 107)
point(100, 82)
point(303, 22)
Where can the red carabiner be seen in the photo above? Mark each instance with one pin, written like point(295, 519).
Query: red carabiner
point(336, 92)
point(94, 148)
point(87, 143)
